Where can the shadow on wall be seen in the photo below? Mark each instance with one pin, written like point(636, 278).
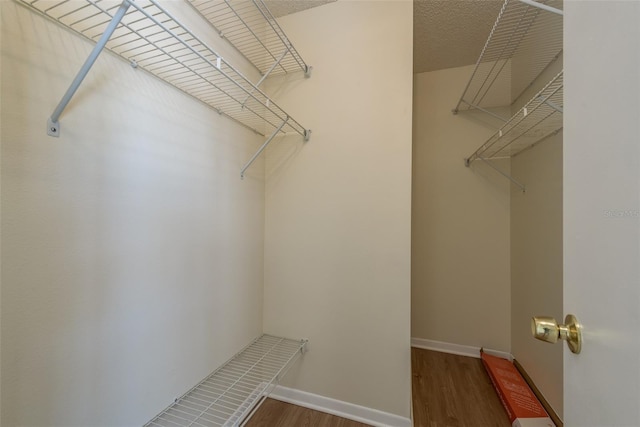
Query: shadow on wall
point(281, 154)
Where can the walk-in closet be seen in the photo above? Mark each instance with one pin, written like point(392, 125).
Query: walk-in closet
point(258, 212)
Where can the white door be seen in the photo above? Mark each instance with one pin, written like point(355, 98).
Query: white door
point(602, 211)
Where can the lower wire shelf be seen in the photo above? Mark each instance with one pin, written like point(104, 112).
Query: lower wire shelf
point(234, 391)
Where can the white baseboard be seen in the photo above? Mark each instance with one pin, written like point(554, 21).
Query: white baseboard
point(339, 408)
point(462, 350)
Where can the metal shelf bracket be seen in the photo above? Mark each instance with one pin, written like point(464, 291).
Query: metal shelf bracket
point(275, 64)
point(468, 162)
point(53, 128)
point(53, 125)
point(551, 104)
point(263, 146)
point(477, 107)
point(307, 136)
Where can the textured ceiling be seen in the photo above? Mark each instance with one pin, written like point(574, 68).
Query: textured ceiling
point(285, 7)
point(450, 33)
point(446, 33)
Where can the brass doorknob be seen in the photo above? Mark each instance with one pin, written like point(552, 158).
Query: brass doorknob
point(546, 328)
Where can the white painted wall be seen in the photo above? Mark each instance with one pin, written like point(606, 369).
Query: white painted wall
point(337, 244)
point(460, 222)
point(536, 246)
point(132, 253)
point(536, 263)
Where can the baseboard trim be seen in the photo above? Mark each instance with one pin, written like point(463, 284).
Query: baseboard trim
point(339, 408)
point(545, 404)
point(459, 349)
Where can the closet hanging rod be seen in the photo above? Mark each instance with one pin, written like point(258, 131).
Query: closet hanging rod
point(148, 37)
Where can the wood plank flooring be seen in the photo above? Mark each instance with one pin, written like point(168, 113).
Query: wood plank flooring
point(274, 413)
point(453, 391)
point(448, 391)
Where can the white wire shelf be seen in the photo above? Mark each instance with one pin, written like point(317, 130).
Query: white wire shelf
point(525, 39)
point(148, 36)
point(254, 31)
point(540, 118)
point(234, 391)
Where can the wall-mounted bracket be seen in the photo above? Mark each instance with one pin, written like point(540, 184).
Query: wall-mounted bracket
point(263, 146)
point(467, 163)
point(479, 108)
point(307, 71)
point(551, 104)
point(275, 64)
point(307, 135)
point(53, 127)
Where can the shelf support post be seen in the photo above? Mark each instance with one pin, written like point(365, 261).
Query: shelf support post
point(509, 177)
point(275, 64)
point(53, 126)
point(262, 147)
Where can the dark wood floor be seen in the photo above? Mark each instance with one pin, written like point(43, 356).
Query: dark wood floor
point(273, 413)
point(448, 391)
point(453, 391)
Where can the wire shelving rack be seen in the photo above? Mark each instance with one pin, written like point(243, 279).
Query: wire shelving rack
point(254, 31)
point(527, 30)
point(524, 41)
point(149, 37)
point(232, 393)
point(539, 119)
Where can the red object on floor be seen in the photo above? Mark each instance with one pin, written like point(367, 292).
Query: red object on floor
point(523, 408)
